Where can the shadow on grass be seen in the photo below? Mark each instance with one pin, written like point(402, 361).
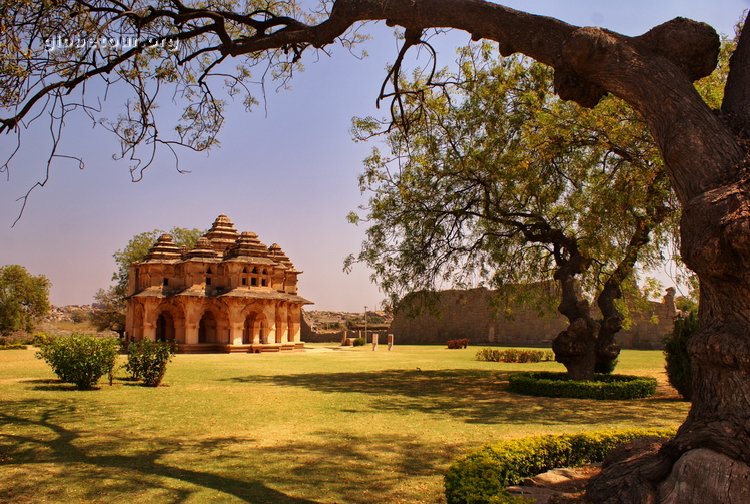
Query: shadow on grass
point(44, 440)
point(37, 441)
point(474, 396)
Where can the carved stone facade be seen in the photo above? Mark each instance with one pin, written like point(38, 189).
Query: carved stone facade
point(229, 293)
point(458, 314)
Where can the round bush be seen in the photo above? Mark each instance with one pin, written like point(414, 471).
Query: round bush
point(604, 386)
point(677, 357)
point(79, 359)
point(147, 360)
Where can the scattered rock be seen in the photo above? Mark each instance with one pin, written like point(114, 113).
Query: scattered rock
point(556, 486)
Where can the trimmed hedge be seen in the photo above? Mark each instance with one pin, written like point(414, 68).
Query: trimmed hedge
point(677, 358)
point(12, 346)
point(455, 344)
point(604, 386)
point(482, 477)
point(514, 355)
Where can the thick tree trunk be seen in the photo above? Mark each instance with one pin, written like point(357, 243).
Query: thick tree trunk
point(575, 347)
point(607, 349)
point(716, 245)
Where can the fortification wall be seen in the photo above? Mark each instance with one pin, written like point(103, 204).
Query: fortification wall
point(471, 314)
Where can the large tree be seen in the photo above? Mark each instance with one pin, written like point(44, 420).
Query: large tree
point(491, 177)
point(23, 299)
point(704, 150)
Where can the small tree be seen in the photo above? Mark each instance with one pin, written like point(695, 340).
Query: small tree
point(23, 299)
point(108, 311)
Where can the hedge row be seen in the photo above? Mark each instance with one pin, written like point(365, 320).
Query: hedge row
point(604, 386)
point(12, 346)
point(514, 355)
point(483, 476)
point(458, 343)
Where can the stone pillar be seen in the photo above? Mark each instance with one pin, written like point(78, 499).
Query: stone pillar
point(149, 331)
point(282, 331)
point(235, 336)
point(191, 333)
point(375, 337)
point(390, 342)
point(344, 335)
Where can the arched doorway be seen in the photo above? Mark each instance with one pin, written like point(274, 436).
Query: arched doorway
point(207, 328)
point(165, 327)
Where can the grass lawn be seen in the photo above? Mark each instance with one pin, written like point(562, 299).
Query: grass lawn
point(325, 425)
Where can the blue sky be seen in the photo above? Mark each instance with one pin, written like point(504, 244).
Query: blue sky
point(289, 175)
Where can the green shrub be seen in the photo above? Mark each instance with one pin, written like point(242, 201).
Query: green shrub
point(604, 386)
point(677, 357)
point(483, 476)
point(147, 360)
point(607, 367)
point(79, 359)
point(41, 338)
point(514, 355)
point(361, 341)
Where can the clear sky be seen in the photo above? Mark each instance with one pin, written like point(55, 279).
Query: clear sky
point(289, 175)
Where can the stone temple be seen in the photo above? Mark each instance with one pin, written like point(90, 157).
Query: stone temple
point(229, 293)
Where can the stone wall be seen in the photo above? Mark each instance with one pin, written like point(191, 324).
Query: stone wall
point(470, 314)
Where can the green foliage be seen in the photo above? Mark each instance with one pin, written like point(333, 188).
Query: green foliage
point(79, 359)
point(677, 357)
point(147, 360)
point(606, 367)
point(482, 476)
point(359, 341)
point(603, 387)
point(514, 355)
point(23, 299)
point(12, 346)
point(480, 169)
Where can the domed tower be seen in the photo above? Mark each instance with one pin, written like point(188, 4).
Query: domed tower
point(164, 249)
point(247, 245)
point(288, 282)
point(202, 249)
point(222, 234)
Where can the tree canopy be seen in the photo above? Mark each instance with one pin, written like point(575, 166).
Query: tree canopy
point(23, 299)
point(492, 177)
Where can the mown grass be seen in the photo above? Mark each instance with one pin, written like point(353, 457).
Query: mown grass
point(346, 426)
